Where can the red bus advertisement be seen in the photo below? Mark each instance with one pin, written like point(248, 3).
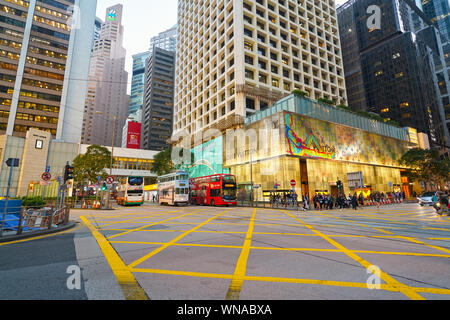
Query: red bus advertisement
point(215, 190)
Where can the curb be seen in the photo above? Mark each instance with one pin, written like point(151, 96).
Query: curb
point(70, 225)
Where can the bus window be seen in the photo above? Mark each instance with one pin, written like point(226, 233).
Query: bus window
point(135, 181)
point(229, 179)
point(215, 179)
point(215, 193)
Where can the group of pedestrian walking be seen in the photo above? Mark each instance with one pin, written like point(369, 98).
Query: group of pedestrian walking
point(284, 199)
point(328, 202)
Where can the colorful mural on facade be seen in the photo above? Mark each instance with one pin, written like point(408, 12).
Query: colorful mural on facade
point(311, 146)
point(312, 138)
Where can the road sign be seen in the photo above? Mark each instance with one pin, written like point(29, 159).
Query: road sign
point(256, 186)
point(12, 162)
point(109, 180)
point(47, 169)
point(293, 183)
point(46, 176)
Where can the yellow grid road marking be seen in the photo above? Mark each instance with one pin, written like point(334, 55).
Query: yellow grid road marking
point(239, 273)
point(152, 224)
point(407, 291)
point(156, 251)
point(286, 249)
point(384, 287)
point(130, 288)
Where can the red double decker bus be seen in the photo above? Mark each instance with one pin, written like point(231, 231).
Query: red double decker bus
point(215, 190)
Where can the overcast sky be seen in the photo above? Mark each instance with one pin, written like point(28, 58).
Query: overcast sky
point(143, 19)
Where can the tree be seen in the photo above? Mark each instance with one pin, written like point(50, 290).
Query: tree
point(92, 164)
point(162, 163)
point(427, 166)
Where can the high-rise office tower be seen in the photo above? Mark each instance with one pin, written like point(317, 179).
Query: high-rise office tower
point(137, 81)
point(97, 28)
point(390, 66)
point(237, 57)
point(157, 115)
point(45, 48)
point(107, 103)
point(166, 40)
point(438, 12)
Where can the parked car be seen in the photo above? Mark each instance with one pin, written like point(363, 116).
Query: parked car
point(425, 199)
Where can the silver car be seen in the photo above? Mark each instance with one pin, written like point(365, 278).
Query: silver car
point(425, 199)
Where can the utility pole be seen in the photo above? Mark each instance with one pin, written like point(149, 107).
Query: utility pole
point(111, 164)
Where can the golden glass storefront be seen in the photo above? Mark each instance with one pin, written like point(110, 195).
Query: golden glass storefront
point(287, 146)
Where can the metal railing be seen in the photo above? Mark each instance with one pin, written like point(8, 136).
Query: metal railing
point(21, 220)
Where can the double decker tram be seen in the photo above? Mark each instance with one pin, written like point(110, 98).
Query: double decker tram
point(214, 190)
point(173, 188)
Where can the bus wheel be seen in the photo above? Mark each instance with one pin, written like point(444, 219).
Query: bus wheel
point(213, 202)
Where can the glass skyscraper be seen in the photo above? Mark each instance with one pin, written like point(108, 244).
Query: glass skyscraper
point(137, 82)
point(438, 11)
point(391, 70)
point(43, 46)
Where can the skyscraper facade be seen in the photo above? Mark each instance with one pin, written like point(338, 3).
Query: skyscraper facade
point(157, 116)
point(391, 69)
point(45, 47)
point(439, 13)
point(137, 81)
point(237, 57)
point(107, 104)
point(166, 40)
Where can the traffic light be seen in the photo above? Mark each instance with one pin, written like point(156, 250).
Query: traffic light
point(339, 184)
point(68, 173)
point(104, 187)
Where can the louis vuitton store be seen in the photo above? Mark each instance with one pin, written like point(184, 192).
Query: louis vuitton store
point(316, 144)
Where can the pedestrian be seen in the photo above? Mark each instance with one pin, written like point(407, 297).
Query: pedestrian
point(306, 203)
point(315, 201)
point(354, 202)
point(320, 198)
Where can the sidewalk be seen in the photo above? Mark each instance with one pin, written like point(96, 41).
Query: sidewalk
point(14, 237)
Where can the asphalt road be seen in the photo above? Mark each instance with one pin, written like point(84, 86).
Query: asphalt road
point(396, 252)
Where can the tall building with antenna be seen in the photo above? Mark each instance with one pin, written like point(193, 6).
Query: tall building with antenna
point(107, 102)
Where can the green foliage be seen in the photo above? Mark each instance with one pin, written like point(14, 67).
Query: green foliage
point(427, 166)
point(92, 164)
point(33, 202)
point(162, 163)
point(327, 101)
point(343, 106)
point(393, 123)
point(299, 93)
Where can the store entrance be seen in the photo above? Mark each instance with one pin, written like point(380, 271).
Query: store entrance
point(304, 177)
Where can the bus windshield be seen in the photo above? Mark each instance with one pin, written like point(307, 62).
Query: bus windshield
point(229, 194)
point(135, 181)
point(229, 179)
